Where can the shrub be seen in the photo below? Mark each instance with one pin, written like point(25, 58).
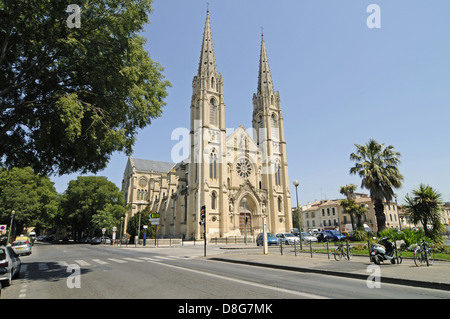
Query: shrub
point(359, 235)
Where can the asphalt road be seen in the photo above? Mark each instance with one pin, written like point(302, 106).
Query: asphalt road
point(102, 272)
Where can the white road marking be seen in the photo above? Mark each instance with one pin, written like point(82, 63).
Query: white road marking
point(133, 259)
point(82, 263)
point(120, 261)
point(291, 292)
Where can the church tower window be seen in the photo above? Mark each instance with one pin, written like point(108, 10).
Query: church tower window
point(213, 200)
point(212, 112)
point(213, 165)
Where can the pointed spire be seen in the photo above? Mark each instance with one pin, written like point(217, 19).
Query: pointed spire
point(207, 63)
point(265, 85)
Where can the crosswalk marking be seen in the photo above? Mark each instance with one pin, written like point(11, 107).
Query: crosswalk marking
point(162, 257)
point(149, 259)
point(133, 259)
point(43, 266)
point(82, 263)
point(120, 261)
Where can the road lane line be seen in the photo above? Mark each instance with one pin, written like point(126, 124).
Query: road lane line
point(239, 281)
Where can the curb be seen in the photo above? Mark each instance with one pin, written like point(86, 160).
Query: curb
point(389, 280)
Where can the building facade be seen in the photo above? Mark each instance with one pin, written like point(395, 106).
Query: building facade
point(241, 177)
point(330, 214)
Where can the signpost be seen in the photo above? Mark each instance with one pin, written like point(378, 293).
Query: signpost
point(114, 234)
point(154, 220)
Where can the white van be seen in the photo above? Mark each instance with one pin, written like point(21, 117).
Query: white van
point(349, 228)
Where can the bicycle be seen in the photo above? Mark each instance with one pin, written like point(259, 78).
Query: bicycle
point(343, 250)
point(423, 253)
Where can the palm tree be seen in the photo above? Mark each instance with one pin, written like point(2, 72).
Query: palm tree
point(425, 207)
point(377, 165)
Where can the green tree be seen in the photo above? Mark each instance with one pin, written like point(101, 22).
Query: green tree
point(137, 222)
point(91, 203)
point(351, 207)
point(377, 165)
point(32, 197)
point(424, 207)
point(70, 97)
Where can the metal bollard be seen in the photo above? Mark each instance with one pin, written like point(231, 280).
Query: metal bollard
point(328, 250)
point(295, 248)
point(348, 256)
point(310, 247)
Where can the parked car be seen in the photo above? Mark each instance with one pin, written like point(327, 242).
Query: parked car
point(288, 238)
point(96, 241)
point(271, 239)
point(307, 237)
point(24, 238)
point(85, 240)
point(9, 265)
point(346, 234)
point(32, 236)
point(21, 247)
point(324, 237)
point(335, 235)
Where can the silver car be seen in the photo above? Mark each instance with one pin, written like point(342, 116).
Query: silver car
point(288, 238)
point(21, 247)
point(9, 265)
point(307, 237)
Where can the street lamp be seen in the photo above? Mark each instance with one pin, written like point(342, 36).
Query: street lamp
point(10, 226)
point(244, 201)
point(296, 183)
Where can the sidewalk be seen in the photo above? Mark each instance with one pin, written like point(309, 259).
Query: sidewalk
point(436, 276)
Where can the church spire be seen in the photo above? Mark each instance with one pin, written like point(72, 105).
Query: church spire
point(265, 85)
point(207, 65)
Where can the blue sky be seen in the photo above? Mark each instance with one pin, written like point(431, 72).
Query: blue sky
point(340, 83)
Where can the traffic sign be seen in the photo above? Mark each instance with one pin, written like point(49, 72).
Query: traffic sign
point(2, 227)
point(154, 221)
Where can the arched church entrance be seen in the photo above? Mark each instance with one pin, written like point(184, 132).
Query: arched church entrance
point(247, 208)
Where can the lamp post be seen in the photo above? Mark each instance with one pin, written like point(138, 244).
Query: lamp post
point(244, 201)
point(10, 226)
point(296, 183)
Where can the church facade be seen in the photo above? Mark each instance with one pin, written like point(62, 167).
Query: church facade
point(241, 179)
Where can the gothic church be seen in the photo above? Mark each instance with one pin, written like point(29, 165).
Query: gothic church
point(235, 176)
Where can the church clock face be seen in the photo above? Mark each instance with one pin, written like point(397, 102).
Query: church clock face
point(243, 168)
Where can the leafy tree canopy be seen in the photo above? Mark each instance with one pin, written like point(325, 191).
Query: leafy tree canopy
point(70, 97)
point(91, 203)
point(32, 197)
